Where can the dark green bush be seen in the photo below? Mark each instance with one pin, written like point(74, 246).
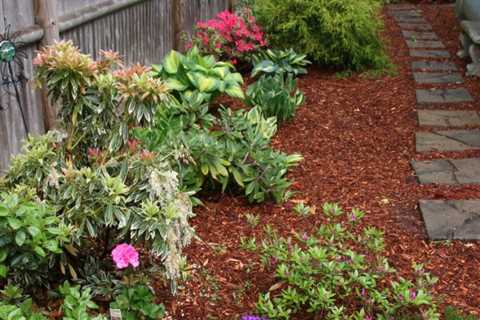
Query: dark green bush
point(340, 33)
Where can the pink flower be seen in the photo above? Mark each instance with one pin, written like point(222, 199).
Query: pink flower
point(124, 255)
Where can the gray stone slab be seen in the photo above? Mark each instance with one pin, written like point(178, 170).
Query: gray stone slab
point(443, 95)
point(400, 7)
point(451, 219)
point(415, 26)
point(406, 13)
point(408, 19)
point(447, 118)
point(448, 171)
point(429, 53)
point(416, 35)
point(437, 77)
point(447, 140)
point(426, 65)
point(433, 44)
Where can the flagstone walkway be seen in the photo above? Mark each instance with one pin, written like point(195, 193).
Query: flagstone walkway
point(444, 219)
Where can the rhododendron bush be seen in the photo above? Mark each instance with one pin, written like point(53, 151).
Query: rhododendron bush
point(230, 36)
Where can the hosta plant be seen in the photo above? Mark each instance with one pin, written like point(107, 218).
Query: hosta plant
point(277, 96)
point(283, 62)
point(193, 72)
point(230, 36)
point(339, 272)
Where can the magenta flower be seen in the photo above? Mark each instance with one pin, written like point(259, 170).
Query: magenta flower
point(124, 255)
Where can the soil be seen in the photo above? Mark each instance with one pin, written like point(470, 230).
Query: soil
point(357, 137)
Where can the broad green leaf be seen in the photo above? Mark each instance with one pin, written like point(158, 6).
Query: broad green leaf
point(3, 271)
point(39, 250)
point(34, 231)
point(20, 238)
point(174, 84)
point(171, 62)
point(206, 84)
point(235, 92)
point(14, 223)
point(3, 211)
point(3, 254)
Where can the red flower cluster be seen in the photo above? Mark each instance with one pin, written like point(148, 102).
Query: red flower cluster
point(229, 35)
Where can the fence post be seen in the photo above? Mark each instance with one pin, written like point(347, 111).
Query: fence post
point(231, 5)
point(178, 11)
point(46, 17)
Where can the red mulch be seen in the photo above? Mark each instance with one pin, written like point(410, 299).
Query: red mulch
point(357, 137)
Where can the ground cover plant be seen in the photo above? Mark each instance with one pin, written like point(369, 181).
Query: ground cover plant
point(331, 32)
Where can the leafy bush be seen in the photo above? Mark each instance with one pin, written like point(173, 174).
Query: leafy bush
point(277, 96)
point(193, 72)
point(331, 32)
point(339, 273)
point(30, 235)
point(235, 153)
point(229, 36)
point(138, 303)
point(77, 303)
point(283, 62)
point(14, 306)
point(97, 179)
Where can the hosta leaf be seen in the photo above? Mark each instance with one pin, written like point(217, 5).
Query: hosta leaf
point(265, 66)
point(174, 84)
point(206, 84)
point(14, 223)
point(171, 62)
point(235, 92)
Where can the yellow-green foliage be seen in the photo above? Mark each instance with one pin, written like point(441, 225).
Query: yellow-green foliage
point(340, 33)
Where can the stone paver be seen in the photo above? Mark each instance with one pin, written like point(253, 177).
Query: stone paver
point(429, 53)
point(400, 7)
point(437, 77)
point(443, 95)
point(448, 171)
point(447, 140)
point(447, 118)
point(434, 65)
point(408, 19)
point(425, 44)
point(451, 219)
point(415, 35)
point(415, 26)
point(406, 13)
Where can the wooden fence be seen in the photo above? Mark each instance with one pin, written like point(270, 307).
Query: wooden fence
point(140, 30)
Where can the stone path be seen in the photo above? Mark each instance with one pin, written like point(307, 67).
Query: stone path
point(444, 219)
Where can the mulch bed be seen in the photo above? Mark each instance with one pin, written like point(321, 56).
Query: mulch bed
point(357, 137)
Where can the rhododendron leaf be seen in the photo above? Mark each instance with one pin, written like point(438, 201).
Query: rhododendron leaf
point(235, 92)
point(171, 62)
point(20, 238)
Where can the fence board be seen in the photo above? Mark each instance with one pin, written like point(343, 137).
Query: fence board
point(140, 33)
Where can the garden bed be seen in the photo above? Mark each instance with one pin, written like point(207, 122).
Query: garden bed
point(357, 137)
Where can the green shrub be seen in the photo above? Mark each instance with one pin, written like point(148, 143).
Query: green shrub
point(96, 178)
point(283, 62)
point(339, 273)
point(277, 96)
point(194, 72)
point(30, 235)
point(231, 152)
point(339, 33)
point(138, 302)
point(77, 303)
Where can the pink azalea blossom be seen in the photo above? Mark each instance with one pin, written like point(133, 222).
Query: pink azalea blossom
point(124, 255)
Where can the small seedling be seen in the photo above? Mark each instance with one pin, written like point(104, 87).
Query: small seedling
point(252, 219)
point(302, 209)
point(248, 244)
